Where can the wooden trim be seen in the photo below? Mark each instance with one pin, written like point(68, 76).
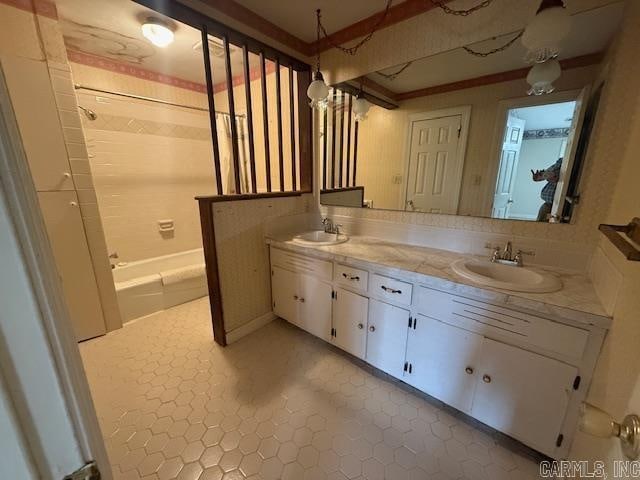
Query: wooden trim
point(305, 132)
point(213, 276)
point(247, 196)
point(396, 14)
point(184, 14)
point(567, 64)
point(349, 114)
point(235, 151)
point(279, 117)
point(212, 110)
point(376, 87)
point(253, 20)
point(292, 133)
point(355, 150)
point(265, 121)
point(353, 90)
point(333, 138)
point(247, 86)
point(341, 154)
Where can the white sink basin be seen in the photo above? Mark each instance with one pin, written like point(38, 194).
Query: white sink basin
point(507, 277)
point(320, 238)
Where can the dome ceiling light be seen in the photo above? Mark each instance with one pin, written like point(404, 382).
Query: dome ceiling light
point(158, 32)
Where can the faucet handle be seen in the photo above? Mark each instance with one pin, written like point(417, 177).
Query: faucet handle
point(337, 227)
point(530, 253)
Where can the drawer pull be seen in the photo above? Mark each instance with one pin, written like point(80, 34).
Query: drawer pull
point(360, 326)
point(390, 290)
point(351, 277)
point(372, 328)
point(486, 378)
point(469, 370)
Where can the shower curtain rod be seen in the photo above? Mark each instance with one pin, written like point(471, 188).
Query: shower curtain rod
point(78, 86)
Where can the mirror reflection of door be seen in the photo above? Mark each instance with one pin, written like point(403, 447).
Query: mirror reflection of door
point(510, 154)
point(435, 165)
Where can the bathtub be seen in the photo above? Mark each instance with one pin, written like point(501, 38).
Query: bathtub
point(141, 290)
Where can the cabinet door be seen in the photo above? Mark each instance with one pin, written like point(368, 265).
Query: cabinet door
point(65, 230)
point(350, 322)
point(314, 309)
point(443, 361)
point(522, 394)
point(34, 102)
point(387, 337)
point(284, 294)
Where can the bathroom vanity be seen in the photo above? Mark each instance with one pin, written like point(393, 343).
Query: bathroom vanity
point(518, 362)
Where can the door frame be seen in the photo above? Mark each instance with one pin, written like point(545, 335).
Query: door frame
point(465, 113)
point(501, 118)
point(49, 333)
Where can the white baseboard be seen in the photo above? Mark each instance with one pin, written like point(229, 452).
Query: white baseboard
point(244, 330)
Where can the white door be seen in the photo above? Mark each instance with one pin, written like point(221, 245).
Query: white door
point(387, 337)
point(570, 152)
point(435, 168)
point(522, 394)
point(444, 361)
point(509, 156)
point(65, 229)
point(350, 322)
point(314, 306)
point(284, 294)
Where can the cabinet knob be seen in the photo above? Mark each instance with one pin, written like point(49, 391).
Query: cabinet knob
point(360, 326)
point(295, 297)
point(372, 328)
point(486, 378)
point(73, 204)
point(469, 370)
point(301, 299)
point(66, 175)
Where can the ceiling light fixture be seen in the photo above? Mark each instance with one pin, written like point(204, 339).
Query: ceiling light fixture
point(542, 75)
point(361, 106)
point(318, 91)
point(543, 35)
point(157, 32)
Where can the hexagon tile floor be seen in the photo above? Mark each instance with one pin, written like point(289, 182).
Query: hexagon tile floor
point(279, 404)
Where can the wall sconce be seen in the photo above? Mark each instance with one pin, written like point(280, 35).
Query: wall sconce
point(599, 423)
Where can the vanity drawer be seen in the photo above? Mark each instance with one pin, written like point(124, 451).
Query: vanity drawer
point(351, 277)
point(488, 319)
point(320, 268)
point(390, 289)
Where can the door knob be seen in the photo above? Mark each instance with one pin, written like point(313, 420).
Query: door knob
point(486, 378)
point(360, 326)
point(469, 370)
point(372, 328)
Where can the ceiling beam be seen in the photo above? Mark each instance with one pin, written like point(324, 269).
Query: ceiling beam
point(567, 64)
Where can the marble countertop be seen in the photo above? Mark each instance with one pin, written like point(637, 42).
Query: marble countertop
point(576, 301)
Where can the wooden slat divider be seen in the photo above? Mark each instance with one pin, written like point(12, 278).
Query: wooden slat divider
point(349, 137)
point(235, 153)
point(279, 117)
point(341, 148)
point(247, 87)
point(325, 135)
point(355, 151)
point(333, 139)
point(212, 110)
point(305, 132)
point(292, 123)
point(265, 121)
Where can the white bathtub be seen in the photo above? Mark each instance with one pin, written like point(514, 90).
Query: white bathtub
point(140, 288)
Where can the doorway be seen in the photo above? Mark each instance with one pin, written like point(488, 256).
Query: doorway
point(437, 142)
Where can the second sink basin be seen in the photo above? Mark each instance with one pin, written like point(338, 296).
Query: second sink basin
point(320, 238)
point(506, 277)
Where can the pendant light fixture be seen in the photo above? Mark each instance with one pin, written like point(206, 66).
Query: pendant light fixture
point(361, 106)
point(543, 35)
point(542, 75)
point(318, 91)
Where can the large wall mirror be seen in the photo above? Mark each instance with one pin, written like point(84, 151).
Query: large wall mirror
point(464, 133)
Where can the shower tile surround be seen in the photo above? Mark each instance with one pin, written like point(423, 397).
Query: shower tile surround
point(173, 404)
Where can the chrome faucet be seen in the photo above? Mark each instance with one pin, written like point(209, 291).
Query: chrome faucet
point(330, 227)
point(505, 255)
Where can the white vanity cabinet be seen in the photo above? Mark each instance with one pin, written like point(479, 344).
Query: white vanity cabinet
point(387, 337)
point(350, 321)
point(443, 361)
point(517, 370)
